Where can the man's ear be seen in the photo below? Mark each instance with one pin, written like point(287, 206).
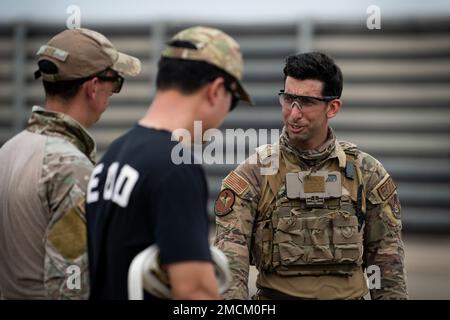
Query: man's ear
point(333, 108)
point(91, 88)
point(214, 90)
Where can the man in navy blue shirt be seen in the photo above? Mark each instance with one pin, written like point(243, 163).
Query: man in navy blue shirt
point(138, 196)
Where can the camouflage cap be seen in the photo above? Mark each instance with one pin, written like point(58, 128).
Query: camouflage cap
point(80, 53)
point(214, 47)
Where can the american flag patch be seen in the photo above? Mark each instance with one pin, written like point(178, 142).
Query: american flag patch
point(235, 182)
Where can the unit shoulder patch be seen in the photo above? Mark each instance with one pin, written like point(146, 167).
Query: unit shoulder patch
point(224, 202)
point(236, 183)
point(394, 203)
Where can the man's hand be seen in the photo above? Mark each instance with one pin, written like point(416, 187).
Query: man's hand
point(193, 280)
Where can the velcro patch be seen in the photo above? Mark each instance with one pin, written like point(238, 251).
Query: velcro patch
point(53, 52)
point(314, 184)
point(224, 203)
point(386, 189)
point(68, 235)
point(235, 182)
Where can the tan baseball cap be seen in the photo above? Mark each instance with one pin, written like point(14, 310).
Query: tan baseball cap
point(214, 47)
point(80, 53)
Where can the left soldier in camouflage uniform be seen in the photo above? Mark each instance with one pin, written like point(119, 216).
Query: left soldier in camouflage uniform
point(326, 211)
point(45, 169)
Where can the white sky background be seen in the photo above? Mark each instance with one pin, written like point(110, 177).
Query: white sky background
point(225, 11)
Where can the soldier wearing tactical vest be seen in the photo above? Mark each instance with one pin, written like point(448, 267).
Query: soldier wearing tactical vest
point(324, 214)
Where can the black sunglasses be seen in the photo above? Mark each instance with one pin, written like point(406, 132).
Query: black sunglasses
point(235, 97)
point(117, 80)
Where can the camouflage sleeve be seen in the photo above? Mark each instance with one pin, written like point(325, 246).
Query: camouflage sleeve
point(64, 182)
point(235, 209)
point(382, 235)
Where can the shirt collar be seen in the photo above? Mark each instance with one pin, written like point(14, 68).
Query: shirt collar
point(58, 124)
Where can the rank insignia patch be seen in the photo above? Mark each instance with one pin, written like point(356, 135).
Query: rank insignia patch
point(386, 189)
point(224, 203)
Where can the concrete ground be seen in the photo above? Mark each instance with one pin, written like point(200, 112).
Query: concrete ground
point(427, 265)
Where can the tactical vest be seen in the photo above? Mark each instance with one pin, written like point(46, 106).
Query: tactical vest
point(310, 223)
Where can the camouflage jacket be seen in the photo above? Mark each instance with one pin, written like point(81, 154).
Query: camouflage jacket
point(235, 218)
point(58, 156)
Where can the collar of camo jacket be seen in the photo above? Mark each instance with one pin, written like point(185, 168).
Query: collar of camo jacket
point(58, 124)
point(311, 157)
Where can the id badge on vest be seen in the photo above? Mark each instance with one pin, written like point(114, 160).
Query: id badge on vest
point(314, 188)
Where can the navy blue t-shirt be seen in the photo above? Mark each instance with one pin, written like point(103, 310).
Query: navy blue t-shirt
point(138, 196)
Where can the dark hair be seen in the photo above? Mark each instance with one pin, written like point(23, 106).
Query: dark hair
point(315, 66)
point(65, 90)
point(187, 76)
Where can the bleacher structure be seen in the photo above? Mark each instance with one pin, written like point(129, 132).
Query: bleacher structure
point(396, 93)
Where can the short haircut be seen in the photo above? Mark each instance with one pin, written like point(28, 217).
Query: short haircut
point(187, 76)
point(315, 66)
point(66, 89)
